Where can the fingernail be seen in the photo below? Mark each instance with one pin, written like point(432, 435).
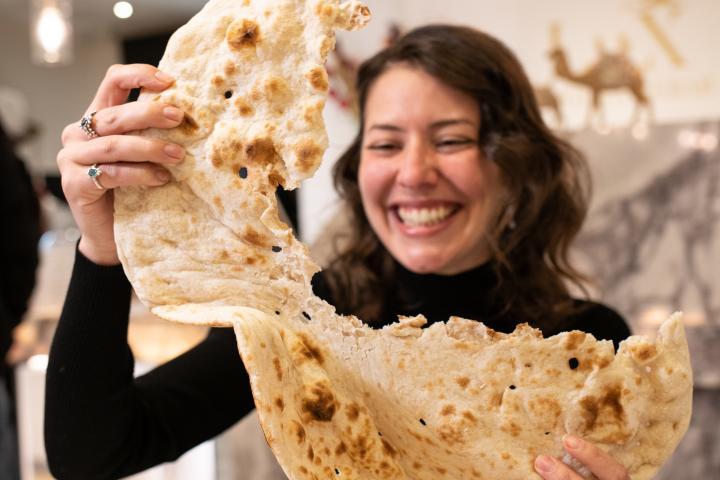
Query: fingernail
point(164, 77)
point(572, 442)
point(544, 463)
point(162, 175)
point(173, 113)
point(174, 151)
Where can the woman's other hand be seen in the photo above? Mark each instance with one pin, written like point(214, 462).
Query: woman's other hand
point(125, 160)
point(602, 465)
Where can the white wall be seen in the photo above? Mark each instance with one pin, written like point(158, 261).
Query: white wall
point(56, 96)
point(678, 94)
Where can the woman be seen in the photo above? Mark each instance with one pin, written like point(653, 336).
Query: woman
point(462, 203)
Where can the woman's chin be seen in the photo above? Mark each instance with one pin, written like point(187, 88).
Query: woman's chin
point(438, 262)
point(423, 265)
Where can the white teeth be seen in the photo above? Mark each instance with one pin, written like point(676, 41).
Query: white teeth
point(416, 217)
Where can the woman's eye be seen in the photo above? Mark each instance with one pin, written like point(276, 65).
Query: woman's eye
point(452, 144)
point(455, 142)
point(383, 147)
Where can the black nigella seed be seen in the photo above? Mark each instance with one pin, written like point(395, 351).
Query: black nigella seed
point(380, 433)
point(277, 249)
point(512, 387)
point(547, 433)
point(423, 421)
point(337, 472)
point(277, 312)
point(573, 362)
point(243, 172)
point(228, 94)
point(305, 314)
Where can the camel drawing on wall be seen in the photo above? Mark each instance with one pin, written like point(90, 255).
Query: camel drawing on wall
point(610, 72)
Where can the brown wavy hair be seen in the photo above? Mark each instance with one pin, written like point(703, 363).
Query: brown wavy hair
point(547, 182)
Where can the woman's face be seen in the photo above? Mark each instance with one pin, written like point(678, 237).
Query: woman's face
point(427, 189)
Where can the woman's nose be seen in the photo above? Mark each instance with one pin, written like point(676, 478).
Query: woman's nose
point(418, 167)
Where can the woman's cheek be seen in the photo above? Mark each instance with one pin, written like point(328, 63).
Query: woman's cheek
point(374, 177)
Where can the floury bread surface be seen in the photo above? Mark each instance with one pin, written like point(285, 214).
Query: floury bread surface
point(337, 399)
point(250, 78)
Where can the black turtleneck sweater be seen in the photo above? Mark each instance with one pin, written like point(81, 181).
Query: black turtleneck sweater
point(470, 295)
point(101, 423)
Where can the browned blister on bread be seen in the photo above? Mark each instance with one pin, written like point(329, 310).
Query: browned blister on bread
point(336, 398)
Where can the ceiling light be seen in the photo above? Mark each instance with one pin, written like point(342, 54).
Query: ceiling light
point(123, 10)
point(51, 31)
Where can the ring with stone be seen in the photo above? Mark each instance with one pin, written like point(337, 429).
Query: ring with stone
point(94, 173)
point(86, 125)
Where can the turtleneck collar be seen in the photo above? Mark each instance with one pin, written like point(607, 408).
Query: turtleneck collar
point(467, 294)
point(482, 274)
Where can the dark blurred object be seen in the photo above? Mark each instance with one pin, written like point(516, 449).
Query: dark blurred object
point(20, 220)
point(148, 49)
point(54, 186)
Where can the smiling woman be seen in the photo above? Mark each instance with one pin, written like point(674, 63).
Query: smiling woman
point(454, 169)
point(428, 190)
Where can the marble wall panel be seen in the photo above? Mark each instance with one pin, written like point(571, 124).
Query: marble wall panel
point(652, 243)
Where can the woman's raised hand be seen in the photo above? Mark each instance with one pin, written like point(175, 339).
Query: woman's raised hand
point(124, 160)
point(602, 465)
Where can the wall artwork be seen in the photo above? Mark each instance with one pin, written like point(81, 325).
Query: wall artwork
point(611, 70)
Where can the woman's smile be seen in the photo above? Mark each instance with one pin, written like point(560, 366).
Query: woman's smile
point(424, 218)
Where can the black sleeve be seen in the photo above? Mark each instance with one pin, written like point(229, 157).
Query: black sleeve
point(100, 423)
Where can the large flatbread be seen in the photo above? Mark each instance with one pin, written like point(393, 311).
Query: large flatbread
point(337, 399)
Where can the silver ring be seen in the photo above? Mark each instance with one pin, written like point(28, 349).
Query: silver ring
point(86, 125)
point(94, 173)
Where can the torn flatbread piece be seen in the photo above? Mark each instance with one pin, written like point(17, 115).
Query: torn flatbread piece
point(252, 83)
